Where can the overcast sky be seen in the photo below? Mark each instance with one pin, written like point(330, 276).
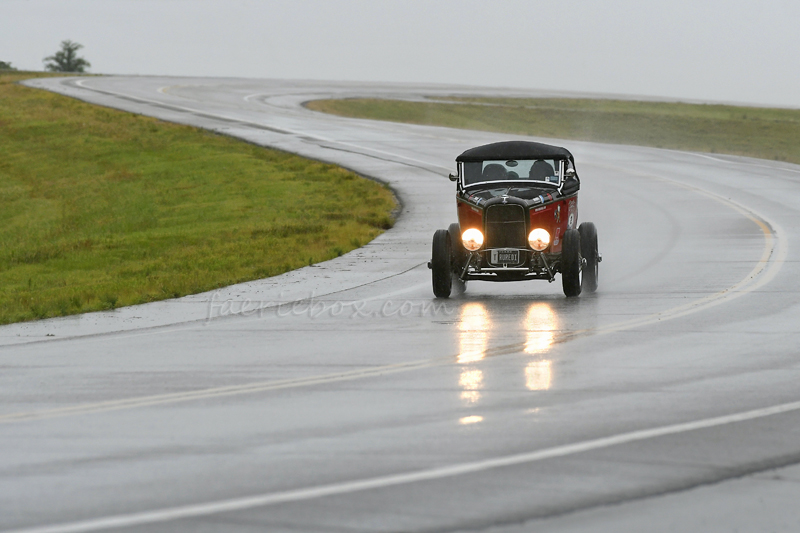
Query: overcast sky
point(735, 50)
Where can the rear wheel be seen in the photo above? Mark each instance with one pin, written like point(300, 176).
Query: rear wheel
point(571, 263)
point(441, 264)
point(589, 252)
point(458, 257)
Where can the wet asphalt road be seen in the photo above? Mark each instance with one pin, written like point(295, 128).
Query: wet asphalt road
point(342, 397)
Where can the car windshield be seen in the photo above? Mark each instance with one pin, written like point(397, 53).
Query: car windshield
point(524, 170)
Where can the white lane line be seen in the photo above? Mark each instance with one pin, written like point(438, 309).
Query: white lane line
point(192, 110)
point(388, 295)
point(773, 257)
point(391, 154)
point(231, 390)
point(392, 480)
point(245, 121)
point(704, 156)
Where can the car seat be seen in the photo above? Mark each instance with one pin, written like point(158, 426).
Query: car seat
point(494, 172)
point(541, 171)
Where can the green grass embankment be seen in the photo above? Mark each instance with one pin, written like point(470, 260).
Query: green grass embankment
point(766, 133)
point(101, 208)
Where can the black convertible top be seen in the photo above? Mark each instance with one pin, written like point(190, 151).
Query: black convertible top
point(515, 150)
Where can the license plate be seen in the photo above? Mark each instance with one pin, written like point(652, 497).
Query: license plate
point(505, 257)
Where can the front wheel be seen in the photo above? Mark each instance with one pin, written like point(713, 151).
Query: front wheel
point(571, 263)
point(441, 265)
point(591, 270)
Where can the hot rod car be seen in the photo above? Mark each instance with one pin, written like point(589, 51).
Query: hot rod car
point(517, 205)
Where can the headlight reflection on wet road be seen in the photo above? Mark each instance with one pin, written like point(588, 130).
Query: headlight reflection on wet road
point(541, 323)
point(471, 383)
point(539, 375)
point(473, 327)
point(540, 326)
point(538, 329)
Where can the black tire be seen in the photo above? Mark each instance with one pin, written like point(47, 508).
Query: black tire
point(458, 257)
point(591, 270)
point(571, 263)
point(441, 264)
point(459, 252)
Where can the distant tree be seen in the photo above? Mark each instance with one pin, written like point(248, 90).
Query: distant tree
point(66, 59)
point(6, 65)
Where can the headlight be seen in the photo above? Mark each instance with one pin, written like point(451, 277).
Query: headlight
point(539, 239)
point(472, 239)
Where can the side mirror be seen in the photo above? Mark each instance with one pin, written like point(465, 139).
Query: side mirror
point(569, 173)
point(453, 177)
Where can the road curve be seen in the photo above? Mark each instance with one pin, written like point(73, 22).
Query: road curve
point(343, 397)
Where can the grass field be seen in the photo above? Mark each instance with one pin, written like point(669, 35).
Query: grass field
point(101, 208)
point(757, 132)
